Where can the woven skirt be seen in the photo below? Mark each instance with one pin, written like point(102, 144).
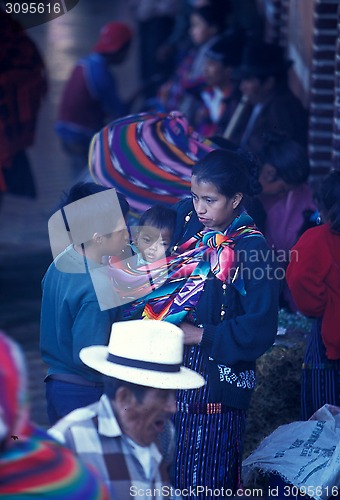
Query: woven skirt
point(320, 382)
point(208, 451)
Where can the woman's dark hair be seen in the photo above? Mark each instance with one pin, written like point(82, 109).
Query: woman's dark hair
point(211, 15)
point(327, 198)
point(229, 171)
point(160, 217)
point(287, 156)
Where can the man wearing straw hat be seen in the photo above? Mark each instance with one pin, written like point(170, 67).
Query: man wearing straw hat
point(127, 434)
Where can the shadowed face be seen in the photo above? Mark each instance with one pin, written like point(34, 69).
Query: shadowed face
point(272, 184)
point(255, 90)
point(143, 420)
point(215, 73)
point(114, 243)
point(200, 30)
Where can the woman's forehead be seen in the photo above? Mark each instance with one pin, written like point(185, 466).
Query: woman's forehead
point(202, 185)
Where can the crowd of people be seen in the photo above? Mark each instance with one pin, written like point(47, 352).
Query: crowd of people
point(151, 325)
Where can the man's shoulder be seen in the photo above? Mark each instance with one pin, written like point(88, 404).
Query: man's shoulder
point(79, 417)
point(69, 266)
point(79, 426)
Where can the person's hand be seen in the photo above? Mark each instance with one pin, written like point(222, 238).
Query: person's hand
point(192, 334)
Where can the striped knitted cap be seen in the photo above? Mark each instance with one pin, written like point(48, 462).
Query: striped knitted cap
point(13, 390)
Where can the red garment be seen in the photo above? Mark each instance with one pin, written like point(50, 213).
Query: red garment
point(78, 107)
point(22, 85)
point(313, 276)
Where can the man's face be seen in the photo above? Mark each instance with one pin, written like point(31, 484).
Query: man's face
point(215, 73)
point(255, 90)
point(272, 184)
point(143, 420)
point(115, 242)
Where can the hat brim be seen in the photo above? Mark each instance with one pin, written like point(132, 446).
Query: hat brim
point(96, 357)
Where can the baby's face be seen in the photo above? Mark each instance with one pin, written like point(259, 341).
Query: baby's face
point(153, 243)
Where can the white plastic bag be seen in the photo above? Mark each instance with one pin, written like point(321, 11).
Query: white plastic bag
point(305, 454)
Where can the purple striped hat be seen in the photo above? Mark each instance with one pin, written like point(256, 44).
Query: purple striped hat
point(147, 157)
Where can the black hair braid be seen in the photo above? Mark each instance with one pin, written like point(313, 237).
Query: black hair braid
point(328, 199)
point(253, 166)
point(334, 217)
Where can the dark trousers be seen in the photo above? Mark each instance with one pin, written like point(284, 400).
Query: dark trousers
point(64, 397)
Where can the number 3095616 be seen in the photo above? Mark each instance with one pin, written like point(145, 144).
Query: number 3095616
point(33, 8)
point(311, 491)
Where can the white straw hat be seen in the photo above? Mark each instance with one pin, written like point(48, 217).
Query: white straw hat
point(144, 352)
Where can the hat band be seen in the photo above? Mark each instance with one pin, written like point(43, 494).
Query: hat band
point(144, 365)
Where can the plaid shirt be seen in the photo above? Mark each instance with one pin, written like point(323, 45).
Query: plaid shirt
point(94, 434)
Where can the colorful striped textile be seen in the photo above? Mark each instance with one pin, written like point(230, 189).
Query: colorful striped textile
point(14, 411)
point(39, 467)
point(170, 288)
point(147, 157)
point(32, 464)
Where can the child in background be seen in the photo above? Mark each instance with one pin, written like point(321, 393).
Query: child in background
point(154, 234)
point(219, 95)
point(206, 25)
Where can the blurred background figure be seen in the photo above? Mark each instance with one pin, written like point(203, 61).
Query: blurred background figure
point(206, 24)
point(313, 276)
point(23, 84)
point(155, 23)
point(32, 464)
point(272, 106)
point(284, 208)
point(90, 97)
point(286, 196)
point(220, 94)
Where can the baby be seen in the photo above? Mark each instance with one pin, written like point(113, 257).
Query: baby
point(154, 234)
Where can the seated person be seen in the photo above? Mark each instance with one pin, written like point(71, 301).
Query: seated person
point(285, 194)
point(32, 464)
point(272, 106)
point(313, 276)
point(219, 95)
point(205, 26)
point(127, 435)
point(283, 209)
